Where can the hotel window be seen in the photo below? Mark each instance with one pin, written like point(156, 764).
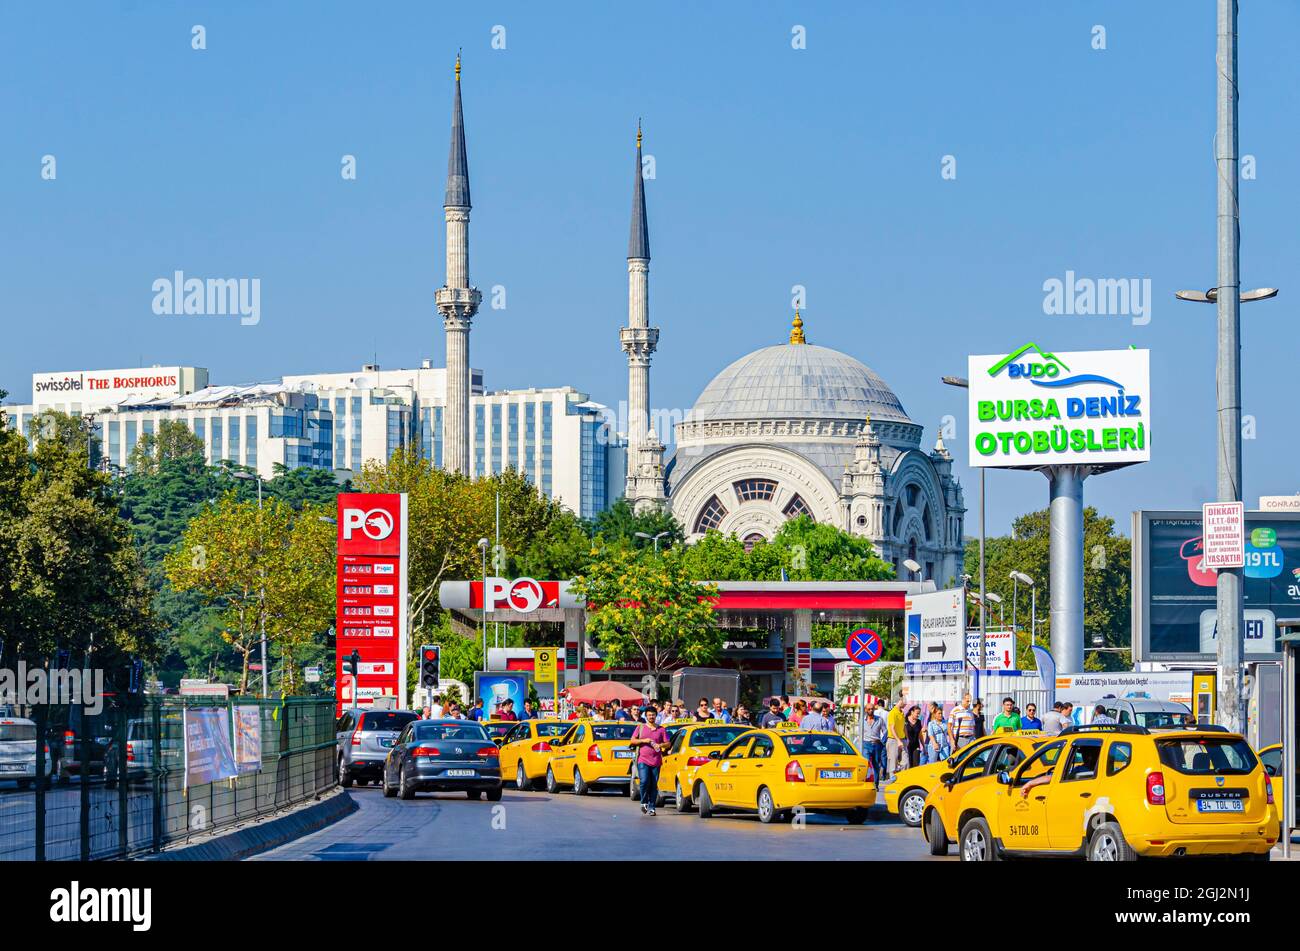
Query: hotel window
point(546, 449)
point(340, 433)
point(232, 439)
point(146, 427)
point(426, 433)
point(512, 428)
point(200, 427)
point(797, 507)
point(755, 490)
point(115, 442)
point(218, 440)
point(250, 441)
point(356, 434)
point(498, 442)
point(130, 439)
point(286, 424)
point(530, 442)
point(711, 515)
point(480, 467)
point(437, 436)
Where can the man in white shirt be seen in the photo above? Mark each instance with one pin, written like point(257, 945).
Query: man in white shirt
point(435, 709)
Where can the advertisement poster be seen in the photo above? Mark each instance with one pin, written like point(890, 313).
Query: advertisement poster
point(208, 756)
point(497, 688)
point(1175, 591)
point(1032, 408)
point(371, 595)
point(248, 739)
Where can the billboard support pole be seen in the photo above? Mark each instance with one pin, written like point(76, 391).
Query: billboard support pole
point(1066, 561)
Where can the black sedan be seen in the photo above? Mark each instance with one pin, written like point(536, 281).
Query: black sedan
point(443, 756)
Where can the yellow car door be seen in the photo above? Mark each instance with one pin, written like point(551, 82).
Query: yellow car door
point(1022, 809)
point(946, 796)
point(728, 778)
point(565, 758)
point(1072, 796)
point(512, 750)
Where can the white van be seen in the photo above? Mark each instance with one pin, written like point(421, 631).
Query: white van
point(18, 751)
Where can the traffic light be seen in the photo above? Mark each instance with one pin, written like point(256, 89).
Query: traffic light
point(430, 657)
point(352, 662)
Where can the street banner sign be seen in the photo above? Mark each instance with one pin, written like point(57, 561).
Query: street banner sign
point(544, 663)
point(1223, 533)
point(371, 589)
point(999, 650)
point(936, 625)
point(1032, 408)
point(864, 646)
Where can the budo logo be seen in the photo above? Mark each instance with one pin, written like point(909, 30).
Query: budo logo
point(375, 524)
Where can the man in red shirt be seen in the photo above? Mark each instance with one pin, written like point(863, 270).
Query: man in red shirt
point(652, 742)
point(507, 711)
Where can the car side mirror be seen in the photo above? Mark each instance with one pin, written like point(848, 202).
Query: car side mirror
point(946, 779)
point(1004, 778)
point(715, 754)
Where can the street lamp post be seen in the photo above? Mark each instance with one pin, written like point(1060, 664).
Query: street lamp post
point(653, 538)
point(913, 567)
point(962, 383)
point(1021, 578)
point(1002, 610)
point(483, 547)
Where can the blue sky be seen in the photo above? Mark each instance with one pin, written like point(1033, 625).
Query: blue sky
point(774, 167)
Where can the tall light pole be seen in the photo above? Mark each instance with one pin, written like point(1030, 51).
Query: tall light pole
point(1002, 611)
point(913, 567)
point(1228, 591)
point(962, 383)
point(1021, 578)
point(483, 547)
point(261, 614)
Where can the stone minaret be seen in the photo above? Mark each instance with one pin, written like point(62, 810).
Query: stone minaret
point(645, 472)
point(456, 300)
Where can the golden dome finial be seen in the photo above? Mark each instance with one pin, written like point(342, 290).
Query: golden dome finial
point(638, 135)
point(796, 330)
point(457, 65)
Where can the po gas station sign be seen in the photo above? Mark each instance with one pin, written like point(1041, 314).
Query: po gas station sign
point(371, 591)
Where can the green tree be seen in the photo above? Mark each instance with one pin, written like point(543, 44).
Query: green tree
point(173, 441)
point(802, 548)
point(649, 609)
point(1106, 563)
point(620, 523)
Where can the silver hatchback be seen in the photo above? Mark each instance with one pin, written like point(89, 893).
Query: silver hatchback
point(364, 739)
point(18, 751)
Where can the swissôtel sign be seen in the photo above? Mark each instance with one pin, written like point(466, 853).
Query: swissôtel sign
point(1031, 408)
point(108, 383)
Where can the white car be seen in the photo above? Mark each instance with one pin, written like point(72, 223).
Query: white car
point(18, 751)
point(1152, 714)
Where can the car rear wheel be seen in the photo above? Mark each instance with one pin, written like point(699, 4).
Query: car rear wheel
point(766, 807)
point(977, 842)
point(404, 789)
point(706, 804)
point(521, 778)
point(474, 793)
point(856, 816)
point(680, 802)
point(935, 837)
point(494, 795)
point(551, 785)
point(910, 807)
point(345, 779)
point(580, 786)
point(1108, 845)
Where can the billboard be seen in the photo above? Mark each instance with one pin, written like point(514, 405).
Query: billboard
point(497, 688)
point(936, 632)
point(1174, 591)
point(371, 592)
point(106, 387)
point(208, 754)
point(1032, 408)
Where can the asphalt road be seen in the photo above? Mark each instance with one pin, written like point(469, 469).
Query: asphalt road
point(603, 825)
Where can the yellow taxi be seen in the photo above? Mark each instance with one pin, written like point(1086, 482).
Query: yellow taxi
point(774, 771)
point(1271, 757)
point(497, 729)
point(906, 791)
point(985, 760)
point(1110, 792)
point(592, 754)
point(526, 750)
point(692, 741)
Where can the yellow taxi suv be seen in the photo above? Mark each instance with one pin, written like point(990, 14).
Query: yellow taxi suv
point(592, 754)
point(1114, 793)
point(692, 743)
point(906, 791)
point(773, 772)
point(984, 762)
point(1271, 757)
point(526, 750)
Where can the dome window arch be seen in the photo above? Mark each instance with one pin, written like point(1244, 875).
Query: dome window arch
point(711, 515)
point(797, 507)
point(755, 490)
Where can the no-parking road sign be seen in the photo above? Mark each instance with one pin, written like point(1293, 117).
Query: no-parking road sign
point(864, 646)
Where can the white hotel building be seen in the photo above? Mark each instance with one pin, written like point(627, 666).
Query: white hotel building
point(555, 436)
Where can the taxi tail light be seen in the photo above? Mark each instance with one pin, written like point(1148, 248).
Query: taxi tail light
point(793, 772)
point(542, 747)
point(697, 761)
point(425, 751)
point(593, 754)
point(1268, 788)
point(489, 751)
point(1156, 788)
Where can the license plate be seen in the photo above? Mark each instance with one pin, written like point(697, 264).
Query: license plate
point(460, 772)
point(12, 767)
point(1220, 805)
point(387, 741)
point(622, 754)
point(836, 774)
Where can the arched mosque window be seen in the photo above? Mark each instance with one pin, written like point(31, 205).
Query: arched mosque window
point(711, 515)
point(755, 490)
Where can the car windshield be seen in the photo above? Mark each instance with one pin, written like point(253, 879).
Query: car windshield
point(17, 732)
point(806, 744)
point(450, 731)
point(552, 729)
point(391, 721)
point(716, 735)
point(1159, 719)
point(1207, 755)
point(613, 731)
